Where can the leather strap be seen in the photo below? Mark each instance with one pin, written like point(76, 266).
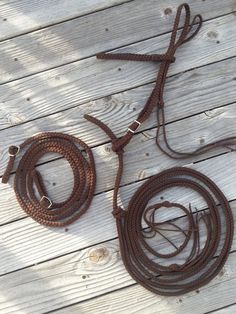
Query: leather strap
point(29, 186)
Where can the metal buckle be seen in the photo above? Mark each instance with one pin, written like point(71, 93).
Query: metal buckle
point(18, 150)
point(48, 199)
point(132, 131)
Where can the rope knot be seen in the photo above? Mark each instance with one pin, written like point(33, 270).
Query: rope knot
point(118, 213)
point(117, 147)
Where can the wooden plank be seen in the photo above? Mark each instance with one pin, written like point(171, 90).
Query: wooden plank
point(227, 310)
point(89, 79)
point(92, 272)
point(74, 40)
point(59, 284)
point(135, 299)
point(187, 134)
point(186, 94)
point(25, 242)
point(23, 16)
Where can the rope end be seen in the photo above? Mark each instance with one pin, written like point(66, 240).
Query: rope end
point(13, 151)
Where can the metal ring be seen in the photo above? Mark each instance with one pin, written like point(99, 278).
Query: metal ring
point(139, 123)
point(132, 131)
point(18, 150)
point(48, 199)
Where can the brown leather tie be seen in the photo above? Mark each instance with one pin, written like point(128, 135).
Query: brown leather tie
point(139, 223)
point(38, 205)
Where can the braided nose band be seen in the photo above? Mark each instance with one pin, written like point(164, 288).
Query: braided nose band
point(155, 270)
point(40, 207)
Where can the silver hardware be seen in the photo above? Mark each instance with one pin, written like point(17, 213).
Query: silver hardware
point(48, 199)
point(132, 131)
point(18, 150)
point(139, 123)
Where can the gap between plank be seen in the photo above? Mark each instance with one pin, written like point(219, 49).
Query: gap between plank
point(120, 289)
point(140, 180)
point(63, 21)
point(138, 133)
point(93, 245)
point(115, 93)
point(220, 308)
point(109, 50)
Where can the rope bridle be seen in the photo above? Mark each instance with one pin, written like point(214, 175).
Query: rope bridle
point(140, 259)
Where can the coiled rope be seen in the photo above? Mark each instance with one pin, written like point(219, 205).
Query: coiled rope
point(199, 266)
point(140, 259)
point(35, 202)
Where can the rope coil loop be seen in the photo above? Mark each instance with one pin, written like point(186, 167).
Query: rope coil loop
point(29, 187)
point(203, 261)
point(143, 262)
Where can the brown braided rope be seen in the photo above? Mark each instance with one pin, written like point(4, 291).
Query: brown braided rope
point(142, 261)
point(35, 202)
point(200, 266)
point(156, 97)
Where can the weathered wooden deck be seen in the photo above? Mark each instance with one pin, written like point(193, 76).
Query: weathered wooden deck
point(49, 77)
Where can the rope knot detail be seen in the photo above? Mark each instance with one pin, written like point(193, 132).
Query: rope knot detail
point(118, 213)
point(117, 147)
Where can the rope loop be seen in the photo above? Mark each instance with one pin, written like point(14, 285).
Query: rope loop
point(29, 185)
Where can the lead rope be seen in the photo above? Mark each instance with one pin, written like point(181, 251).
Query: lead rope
point(30, 189)
point(151, 268)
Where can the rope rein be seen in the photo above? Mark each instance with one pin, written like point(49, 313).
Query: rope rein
point(138, 225)
point(145, 264)
point(35, 202)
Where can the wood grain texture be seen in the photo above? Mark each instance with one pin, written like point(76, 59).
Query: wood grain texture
point(186, 94)
point(89, 273)
point(45, 269)
point(135, 299)
point(25, 242)
point(70, 85)
point(227, 310)
point(76, 39)
point(187, 134)
point(23, 16)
